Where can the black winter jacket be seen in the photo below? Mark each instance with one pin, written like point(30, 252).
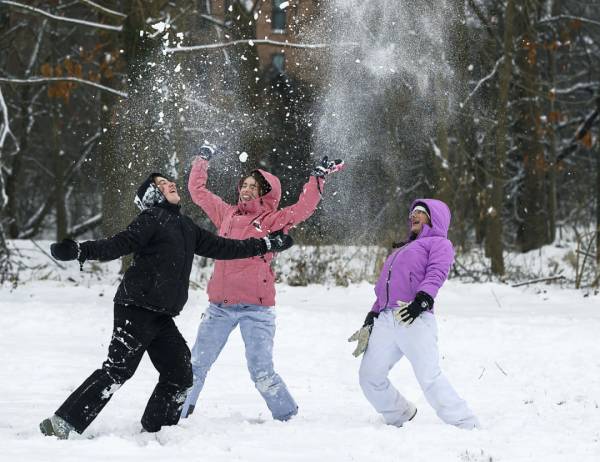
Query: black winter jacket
point(163, 242)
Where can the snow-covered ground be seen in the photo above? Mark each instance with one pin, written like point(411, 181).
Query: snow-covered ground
point(526, 360)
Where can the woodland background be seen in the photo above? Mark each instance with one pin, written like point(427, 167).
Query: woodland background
point(491, 106)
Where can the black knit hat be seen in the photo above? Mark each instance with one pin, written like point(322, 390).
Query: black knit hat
point(148, 195)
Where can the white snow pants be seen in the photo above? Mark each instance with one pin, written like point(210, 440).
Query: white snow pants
point(389, 341)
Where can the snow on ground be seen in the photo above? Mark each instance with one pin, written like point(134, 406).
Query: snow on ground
point(525, 359)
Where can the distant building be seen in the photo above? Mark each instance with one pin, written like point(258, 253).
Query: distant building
point(282, 20)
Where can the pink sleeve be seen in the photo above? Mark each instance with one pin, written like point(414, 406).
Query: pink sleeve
point(212, 204)
point(301, 210)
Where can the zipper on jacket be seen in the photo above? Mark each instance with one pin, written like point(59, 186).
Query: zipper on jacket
point(389, 275)
point(387, 281)
point(181, 230)
point(225, 262)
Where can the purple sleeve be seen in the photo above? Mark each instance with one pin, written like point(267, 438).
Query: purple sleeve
point(375, 308)
point(441, 256)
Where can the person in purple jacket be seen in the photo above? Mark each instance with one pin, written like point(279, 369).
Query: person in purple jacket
point(401, 322)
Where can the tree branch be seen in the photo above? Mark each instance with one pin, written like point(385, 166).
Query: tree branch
point(103, 9)
point(31, 227)
point(482, 81)
point(4, 132)
point(583, 129)
point(571, 17)
point(85, 226)
point(215, 21)
point(215, 46)
point(4, 125)
point(63, 18)
point(533, 281)
point(483, 20)
point(33, 80)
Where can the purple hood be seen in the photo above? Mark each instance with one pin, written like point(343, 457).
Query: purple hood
point(421, 265)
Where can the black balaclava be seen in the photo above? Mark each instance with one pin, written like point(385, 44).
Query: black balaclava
point(148, 195)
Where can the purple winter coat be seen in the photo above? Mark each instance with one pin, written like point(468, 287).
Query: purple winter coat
point(421, 265)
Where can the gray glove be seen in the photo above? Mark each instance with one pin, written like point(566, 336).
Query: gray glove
point(362, 336)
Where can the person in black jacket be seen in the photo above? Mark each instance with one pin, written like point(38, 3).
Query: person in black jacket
point(154, 289)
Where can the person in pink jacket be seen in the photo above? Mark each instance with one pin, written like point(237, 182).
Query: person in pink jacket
point(243, 293)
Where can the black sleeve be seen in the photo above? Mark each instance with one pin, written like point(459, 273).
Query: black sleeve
point(136, 236)
point(212, 246)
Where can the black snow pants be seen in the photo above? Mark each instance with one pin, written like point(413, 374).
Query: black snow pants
point(135, 331)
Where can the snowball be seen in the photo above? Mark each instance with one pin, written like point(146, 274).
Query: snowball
point(243, 156)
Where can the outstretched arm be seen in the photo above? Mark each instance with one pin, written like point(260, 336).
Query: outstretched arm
point(310, 197)
point(212, 204)
point(136, 236)
point(220, 248)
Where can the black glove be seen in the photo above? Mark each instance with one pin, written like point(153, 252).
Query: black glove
point(422, 302)
point(207, 150)
point(326, 166)
point(278, 241)
point(65, 250)
point(370, 319)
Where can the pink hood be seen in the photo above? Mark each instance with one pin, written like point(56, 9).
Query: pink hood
point(267, 202)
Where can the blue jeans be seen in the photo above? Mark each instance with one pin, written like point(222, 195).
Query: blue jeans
point(257, 325)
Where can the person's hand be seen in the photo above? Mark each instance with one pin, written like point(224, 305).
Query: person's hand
point(370, 318)
point(362, 335)
point(207, 151)
point(326, 166)
point(278, 241)
point(65, 250)
point(409, 313)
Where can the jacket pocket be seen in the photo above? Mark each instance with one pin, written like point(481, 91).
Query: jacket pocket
point(262, 281)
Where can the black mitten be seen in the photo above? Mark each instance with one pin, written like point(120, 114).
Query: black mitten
point(207, 150)
point(370, 319)
point(65, 250)
point(422, 302)
point(278, 241)
point(326, 166)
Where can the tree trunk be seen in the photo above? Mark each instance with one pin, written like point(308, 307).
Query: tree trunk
point(552, 142)
point(465, 150)
point(598, 187)
point(445, 184)
point(132, 145)
point(532, 232)
point(59, 166)
point(13, 180)
point(495, 228)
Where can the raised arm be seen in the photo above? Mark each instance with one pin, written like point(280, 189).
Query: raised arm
point(301, 210)
point(309, 198)
point(212, 204)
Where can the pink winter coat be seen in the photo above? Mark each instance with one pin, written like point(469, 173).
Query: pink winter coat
point(249, 280)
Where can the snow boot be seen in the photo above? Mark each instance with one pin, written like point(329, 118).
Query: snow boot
point(189, 412)
point(469, 424)
point(408, 415)
point(56, 426)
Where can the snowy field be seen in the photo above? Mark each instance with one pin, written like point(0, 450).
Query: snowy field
point(526, 360)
